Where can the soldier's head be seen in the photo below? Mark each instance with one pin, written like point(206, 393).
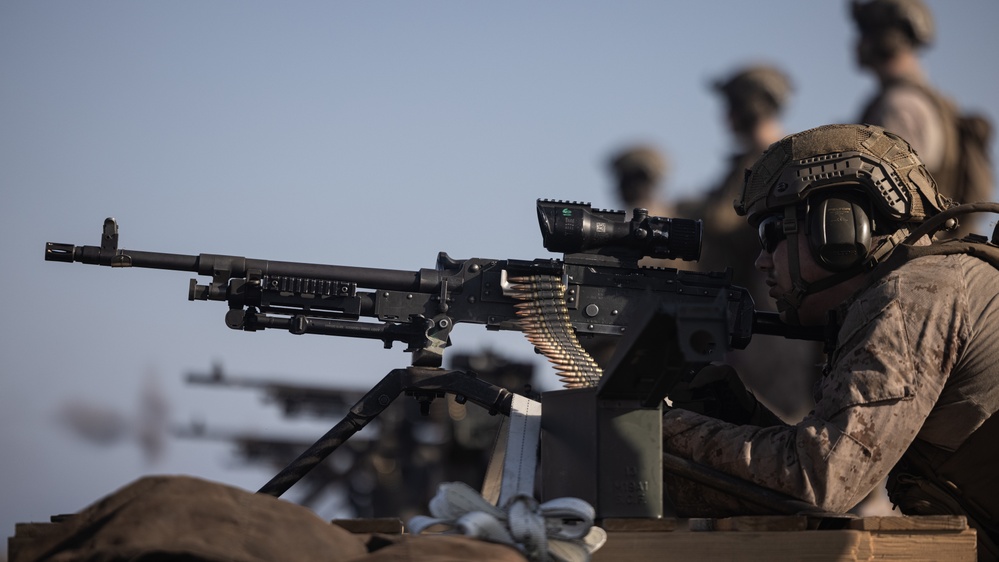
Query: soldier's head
point(754, 94)
point(890, 27)
point(830, 203)
point(638, 170)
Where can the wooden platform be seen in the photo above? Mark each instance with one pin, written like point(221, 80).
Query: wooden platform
point(749, 539)
point(768, 539)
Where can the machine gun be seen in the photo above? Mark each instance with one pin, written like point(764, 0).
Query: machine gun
point(673, 321)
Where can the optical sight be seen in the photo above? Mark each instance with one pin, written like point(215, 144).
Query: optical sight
point(572, 228)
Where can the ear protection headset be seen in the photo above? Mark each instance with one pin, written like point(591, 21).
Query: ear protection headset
point(839, 230)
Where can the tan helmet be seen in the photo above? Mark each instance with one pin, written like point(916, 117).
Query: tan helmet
point(859, 157)
point(642, 160)
point(911, 16)
point(836, 186)
point(756, 84)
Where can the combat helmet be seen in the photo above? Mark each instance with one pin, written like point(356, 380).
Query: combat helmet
point(840, 186)
point(642, 160)
point(911, 16)
point(866, 157)
point(754, 93)
point(759, 81)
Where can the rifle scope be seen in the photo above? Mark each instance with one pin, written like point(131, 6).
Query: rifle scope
point(575, 227)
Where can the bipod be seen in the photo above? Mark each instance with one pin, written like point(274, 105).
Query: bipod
point(421, 382)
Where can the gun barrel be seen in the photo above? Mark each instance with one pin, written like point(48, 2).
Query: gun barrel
point(96, 255)
point(237, 266)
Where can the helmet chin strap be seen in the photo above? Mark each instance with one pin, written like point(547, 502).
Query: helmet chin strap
point(789, 302)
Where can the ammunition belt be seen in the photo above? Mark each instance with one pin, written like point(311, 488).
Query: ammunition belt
point(544, 319)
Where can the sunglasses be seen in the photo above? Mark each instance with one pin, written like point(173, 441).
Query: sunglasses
point(771, 233)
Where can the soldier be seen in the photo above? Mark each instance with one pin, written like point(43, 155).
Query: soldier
point(913, 383)
point(892, 33)
point(638, 171)
point(755, 97)
point(638, 175)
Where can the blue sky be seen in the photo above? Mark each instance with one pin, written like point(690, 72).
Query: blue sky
point(362, 133)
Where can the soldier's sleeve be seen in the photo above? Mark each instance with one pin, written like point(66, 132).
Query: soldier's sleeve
point(886, 377)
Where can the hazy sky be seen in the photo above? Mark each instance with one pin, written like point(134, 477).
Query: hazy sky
point(355, 133)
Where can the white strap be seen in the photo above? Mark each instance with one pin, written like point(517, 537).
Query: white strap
point(561, 529)
point(493, 479)
point(521, 456)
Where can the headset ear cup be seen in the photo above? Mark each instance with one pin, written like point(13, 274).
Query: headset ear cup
point(839, 233)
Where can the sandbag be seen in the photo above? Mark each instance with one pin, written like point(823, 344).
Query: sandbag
point(194, 520)
point(180, 517)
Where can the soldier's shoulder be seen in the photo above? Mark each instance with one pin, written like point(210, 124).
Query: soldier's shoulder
point(931, 276)
point(935, 269)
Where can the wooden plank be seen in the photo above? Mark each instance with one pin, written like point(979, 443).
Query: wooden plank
point(959, 546)
point(751, 523)
point(24, 534)
point(638, 524)
point(749, 546)
point(29, 530)
point(934, 523)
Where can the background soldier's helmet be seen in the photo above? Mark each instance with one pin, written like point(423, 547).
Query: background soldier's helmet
point(755, 92)
point(861, 158)
point(757, 81)
point(911, 16)
point(639, 162)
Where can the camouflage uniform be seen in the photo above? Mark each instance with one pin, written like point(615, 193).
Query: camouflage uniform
point(918, 359)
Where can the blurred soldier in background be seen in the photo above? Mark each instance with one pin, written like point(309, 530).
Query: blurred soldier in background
point(954, 147)
point(638, 173)
point(754, 98)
